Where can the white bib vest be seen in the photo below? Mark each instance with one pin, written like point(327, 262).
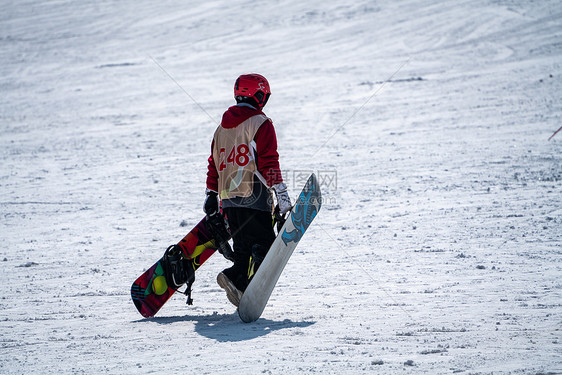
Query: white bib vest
point(234, 157)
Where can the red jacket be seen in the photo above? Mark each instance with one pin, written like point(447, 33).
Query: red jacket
point(267, 157)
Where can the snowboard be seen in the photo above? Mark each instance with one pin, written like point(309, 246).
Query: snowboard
point(151, 291)
point(261, 286)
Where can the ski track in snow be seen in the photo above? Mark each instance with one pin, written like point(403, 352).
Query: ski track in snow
point(438, 248)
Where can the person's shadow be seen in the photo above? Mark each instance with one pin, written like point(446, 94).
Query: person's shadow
point(229, 327)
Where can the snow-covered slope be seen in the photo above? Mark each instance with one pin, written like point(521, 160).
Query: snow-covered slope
point(438, 249)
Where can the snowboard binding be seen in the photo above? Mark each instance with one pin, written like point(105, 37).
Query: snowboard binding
point(278, 219)
point(218, 226)
point(178, 271)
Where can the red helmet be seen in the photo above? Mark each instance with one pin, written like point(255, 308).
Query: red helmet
point(253, 86)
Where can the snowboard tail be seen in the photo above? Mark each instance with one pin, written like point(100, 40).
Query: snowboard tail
point(259, 290)
point(151, 290)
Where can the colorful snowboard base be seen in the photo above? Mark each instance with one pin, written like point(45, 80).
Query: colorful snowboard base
point(151, 290)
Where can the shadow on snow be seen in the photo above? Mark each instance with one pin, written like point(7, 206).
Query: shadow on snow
point(229, 327)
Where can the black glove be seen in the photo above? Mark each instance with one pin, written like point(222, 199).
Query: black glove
point(211, 205)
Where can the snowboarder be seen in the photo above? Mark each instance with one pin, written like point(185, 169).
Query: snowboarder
point(243, 170)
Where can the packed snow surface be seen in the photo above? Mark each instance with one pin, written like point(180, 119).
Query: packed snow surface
point(438, 249)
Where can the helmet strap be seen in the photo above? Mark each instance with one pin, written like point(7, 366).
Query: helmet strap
point(246, 99)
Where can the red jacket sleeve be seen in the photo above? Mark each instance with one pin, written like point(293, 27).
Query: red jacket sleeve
point(267, 158)
point(212, 173)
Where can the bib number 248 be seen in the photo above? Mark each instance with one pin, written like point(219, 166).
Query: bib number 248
point(238, 155)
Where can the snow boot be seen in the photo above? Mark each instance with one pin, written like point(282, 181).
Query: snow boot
point(258, 255)
point(232, 292)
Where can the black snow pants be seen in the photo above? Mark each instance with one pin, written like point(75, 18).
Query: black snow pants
point(251, 229)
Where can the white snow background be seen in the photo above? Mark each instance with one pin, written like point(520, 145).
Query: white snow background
point(438, 248)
